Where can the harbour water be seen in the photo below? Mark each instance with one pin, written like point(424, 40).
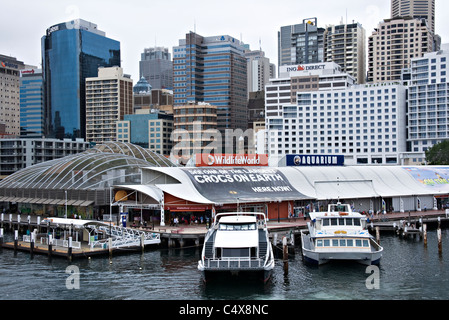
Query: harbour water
point(408, 271)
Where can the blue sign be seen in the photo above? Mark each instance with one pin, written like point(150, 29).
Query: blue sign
point(307, 160)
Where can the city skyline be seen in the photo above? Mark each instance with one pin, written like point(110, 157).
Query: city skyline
point(150, 24)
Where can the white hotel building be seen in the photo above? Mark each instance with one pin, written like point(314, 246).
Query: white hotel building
point(428, 114)
point(315, 109)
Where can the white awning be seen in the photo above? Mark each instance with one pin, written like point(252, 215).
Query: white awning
point(329, 190)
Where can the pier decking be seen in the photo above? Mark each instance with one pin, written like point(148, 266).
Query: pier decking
point(403, 224)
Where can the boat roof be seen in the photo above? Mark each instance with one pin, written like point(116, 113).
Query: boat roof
point(238, 219)
point(74, 222)
point(322, 215)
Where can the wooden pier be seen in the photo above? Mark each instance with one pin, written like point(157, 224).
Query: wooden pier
point(407, 226)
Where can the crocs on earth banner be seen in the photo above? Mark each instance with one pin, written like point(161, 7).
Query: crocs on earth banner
point(221, 185)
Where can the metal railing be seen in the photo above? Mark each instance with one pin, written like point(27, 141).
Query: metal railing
point(124, 237)
point(234, 263)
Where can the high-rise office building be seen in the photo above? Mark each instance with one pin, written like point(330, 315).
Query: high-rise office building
point(419, 9)
point(392, 46)
point(157, 67)
point(147, 128)
point(10, 94)
point(212, 70)
point(301, 43)
point(72, 52)
point(109, 97)
point(31, 104)
point(344, 44)
point(260, 70)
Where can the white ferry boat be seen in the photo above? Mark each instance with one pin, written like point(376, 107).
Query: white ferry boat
point(237, 243)
point(339, 234)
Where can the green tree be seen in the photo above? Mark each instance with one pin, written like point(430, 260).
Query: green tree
point(438, 154)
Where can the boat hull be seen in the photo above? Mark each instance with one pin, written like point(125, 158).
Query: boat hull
point(223, 267)
point(223, 275)
point(322, 257)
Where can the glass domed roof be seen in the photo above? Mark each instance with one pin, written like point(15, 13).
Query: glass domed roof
point(98, 168)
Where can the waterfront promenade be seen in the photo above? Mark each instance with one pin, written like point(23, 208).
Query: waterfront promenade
point(193, 234)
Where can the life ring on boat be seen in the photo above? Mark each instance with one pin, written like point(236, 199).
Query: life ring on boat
point(343, 213)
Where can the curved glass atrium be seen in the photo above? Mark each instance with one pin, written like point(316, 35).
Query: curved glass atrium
point(101, 167)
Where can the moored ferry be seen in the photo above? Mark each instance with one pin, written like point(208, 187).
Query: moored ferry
point(339, 234)
point(237, 243)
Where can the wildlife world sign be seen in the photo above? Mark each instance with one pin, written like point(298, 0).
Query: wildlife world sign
point(226, 185)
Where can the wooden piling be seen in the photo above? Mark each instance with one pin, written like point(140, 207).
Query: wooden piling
point(424, 229)
point(142, 242)
point(69, 250)
point(378, 235)
point(285, 254)
point(1, 237)
point(50, 245)
point(440, 243)
point(32, 235)
point(16, 239)
point(110, 248)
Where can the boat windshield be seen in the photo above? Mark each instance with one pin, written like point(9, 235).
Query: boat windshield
point(238, 226)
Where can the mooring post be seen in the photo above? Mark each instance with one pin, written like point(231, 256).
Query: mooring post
point(1, 237)
point(110, 248)
point(16, 239)
point(378, 234)
point(285, 254)
point(440, 242)
point(142, 242)
point(424, 229)
point(69, 250)
point(50, 245)
point(32, 237)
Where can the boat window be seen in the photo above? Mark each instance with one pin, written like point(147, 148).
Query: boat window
point(334, 243)
point(236, 252)
point(358, 243)
point(325, 222)
point(238, 227)
point(349, 222)
point(357, 222)
point(350, 242)
point(319, 243)
point(342, 243)
point(341, 221)
point(366, 243)
point(334, 222)
point(327, 243)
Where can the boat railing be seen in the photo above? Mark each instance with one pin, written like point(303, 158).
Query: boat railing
point(234, 263)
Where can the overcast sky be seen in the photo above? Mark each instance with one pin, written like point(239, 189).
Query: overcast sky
point(140, 24)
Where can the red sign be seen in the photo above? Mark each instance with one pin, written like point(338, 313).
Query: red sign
point(231, 160)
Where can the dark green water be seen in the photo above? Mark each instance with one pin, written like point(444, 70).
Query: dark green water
point(408, 271)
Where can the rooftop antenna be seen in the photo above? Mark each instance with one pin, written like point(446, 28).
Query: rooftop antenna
point(194, 25)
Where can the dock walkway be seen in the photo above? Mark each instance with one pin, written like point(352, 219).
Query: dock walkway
point(194, 234)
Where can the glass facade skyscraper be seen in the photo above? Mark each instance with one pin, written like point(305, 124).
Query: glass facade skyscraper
point(212, 70)
point(72, 52)
point(31, 104)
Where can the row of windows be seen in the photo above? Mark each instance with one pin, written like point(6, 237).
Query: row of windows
point(343, 243)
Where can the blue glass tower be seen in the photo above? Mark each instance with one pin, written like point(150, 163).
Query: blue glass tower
point(72, 52)
point(31, 104)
